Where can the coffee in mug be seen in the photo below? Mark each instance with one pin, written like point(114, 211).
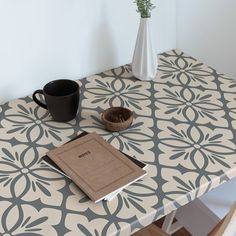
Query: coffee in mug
point(61, 99)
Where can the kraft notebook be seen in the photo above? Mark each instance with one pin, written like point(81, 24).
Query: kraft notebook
point(96, 166)
point(109, 197)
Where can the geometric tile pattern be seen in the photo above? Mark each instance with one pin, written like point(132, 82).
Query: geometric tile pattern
point(184, 128)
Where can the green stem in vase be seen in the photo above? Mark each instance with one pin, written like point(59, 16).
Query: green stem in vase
point(144, 7)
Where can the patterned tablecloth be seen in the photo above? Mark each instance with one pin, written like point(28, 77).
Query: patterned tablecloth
point(184, 128)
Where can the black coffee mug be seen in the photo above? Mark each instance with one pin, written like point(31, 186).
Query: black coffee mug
point(61, 99)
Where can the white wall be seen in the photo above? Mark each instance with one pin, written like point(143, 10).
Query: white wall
point(41, 40)
point(206, 29)
point(221, 199)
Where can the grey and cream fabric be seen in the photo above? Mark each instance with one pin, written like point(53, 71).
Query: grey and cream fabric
point(184, 128)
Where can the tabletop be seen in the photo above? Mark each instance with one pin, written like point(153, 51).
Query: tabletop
point(184, 128)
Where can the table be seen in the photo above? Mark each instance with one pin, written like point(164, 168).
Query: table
point(184, 128)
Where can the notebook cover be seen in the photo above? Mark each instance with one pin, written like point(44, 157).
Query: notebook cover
point(95, 166)
point(53, 165)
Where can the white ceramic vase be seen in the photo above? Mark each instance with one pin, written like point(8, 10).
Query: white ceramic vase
point(144, 65)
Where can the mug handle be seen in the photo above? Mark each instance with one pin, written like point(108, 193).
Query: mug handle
point(40, 91)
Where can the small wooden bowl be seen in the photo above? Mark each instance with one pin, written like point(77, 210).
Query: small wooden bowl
point(117, 118)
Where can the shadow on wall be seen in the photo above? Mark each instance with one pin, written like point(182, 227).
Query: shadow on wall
point(102, 45)
point(6, 92)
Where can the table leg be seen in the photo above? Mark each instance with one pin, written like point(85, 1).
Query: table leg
point(168, 225)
